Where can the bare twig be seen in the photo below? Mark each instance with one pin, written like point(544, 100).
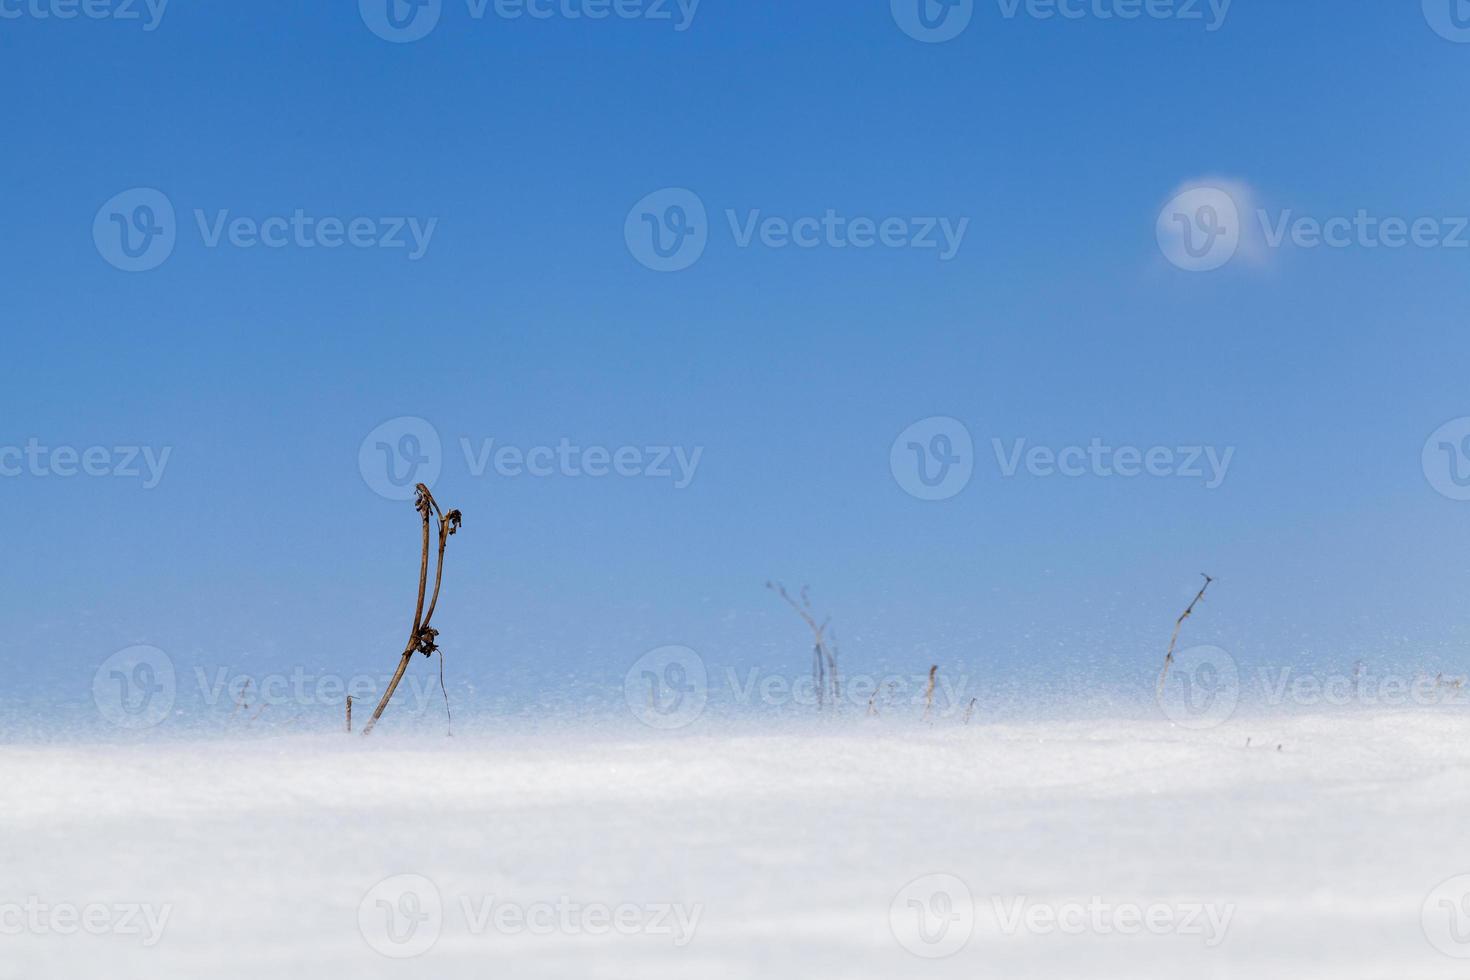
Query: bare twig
point(824, 654)
point(241, 702)
point(970, 710)
point(873, 701)
point(1169, 657)
point(422, 637)
point(349, 714)
point(929, 692)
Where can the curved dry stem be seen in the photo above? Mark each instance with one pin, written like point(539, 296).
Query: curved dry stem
point(1178, 624)
point(424, 501)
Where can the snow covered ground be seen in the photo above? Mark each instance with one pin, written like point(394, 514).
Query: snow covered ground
point(1060, 849)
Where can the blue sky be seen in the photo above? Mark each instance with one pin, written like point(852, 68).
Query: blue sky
point(525, 144)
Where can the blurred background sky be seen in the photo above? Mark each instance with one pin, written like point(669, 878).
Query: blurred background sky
point(529, 320)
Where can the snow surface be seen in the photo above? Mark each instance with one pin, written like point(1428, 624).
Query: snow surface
point(795, 847)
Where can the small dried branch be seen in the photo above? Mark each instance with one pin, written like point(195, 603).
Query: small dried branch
point(1178, 623)
point(824, 653)
point(422, 638)
point(929, 692)
point(242, 699)
point(873, 701)
point(970, 709)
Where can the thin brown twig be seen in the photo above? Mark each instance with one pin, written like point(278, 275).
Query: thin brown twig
point(422, 637)
point(1178, 623)
point(929, 693)
point(824, 654)
point(240, 699)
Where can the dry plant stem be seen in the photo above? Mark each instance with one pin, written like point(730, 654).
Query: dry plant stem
point(970, 710)
point(413, 635)
point(929, 692)
point(240, 700)
point(421, 636)
point(824, 657)
point(1178, 623)
point(349, 714)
